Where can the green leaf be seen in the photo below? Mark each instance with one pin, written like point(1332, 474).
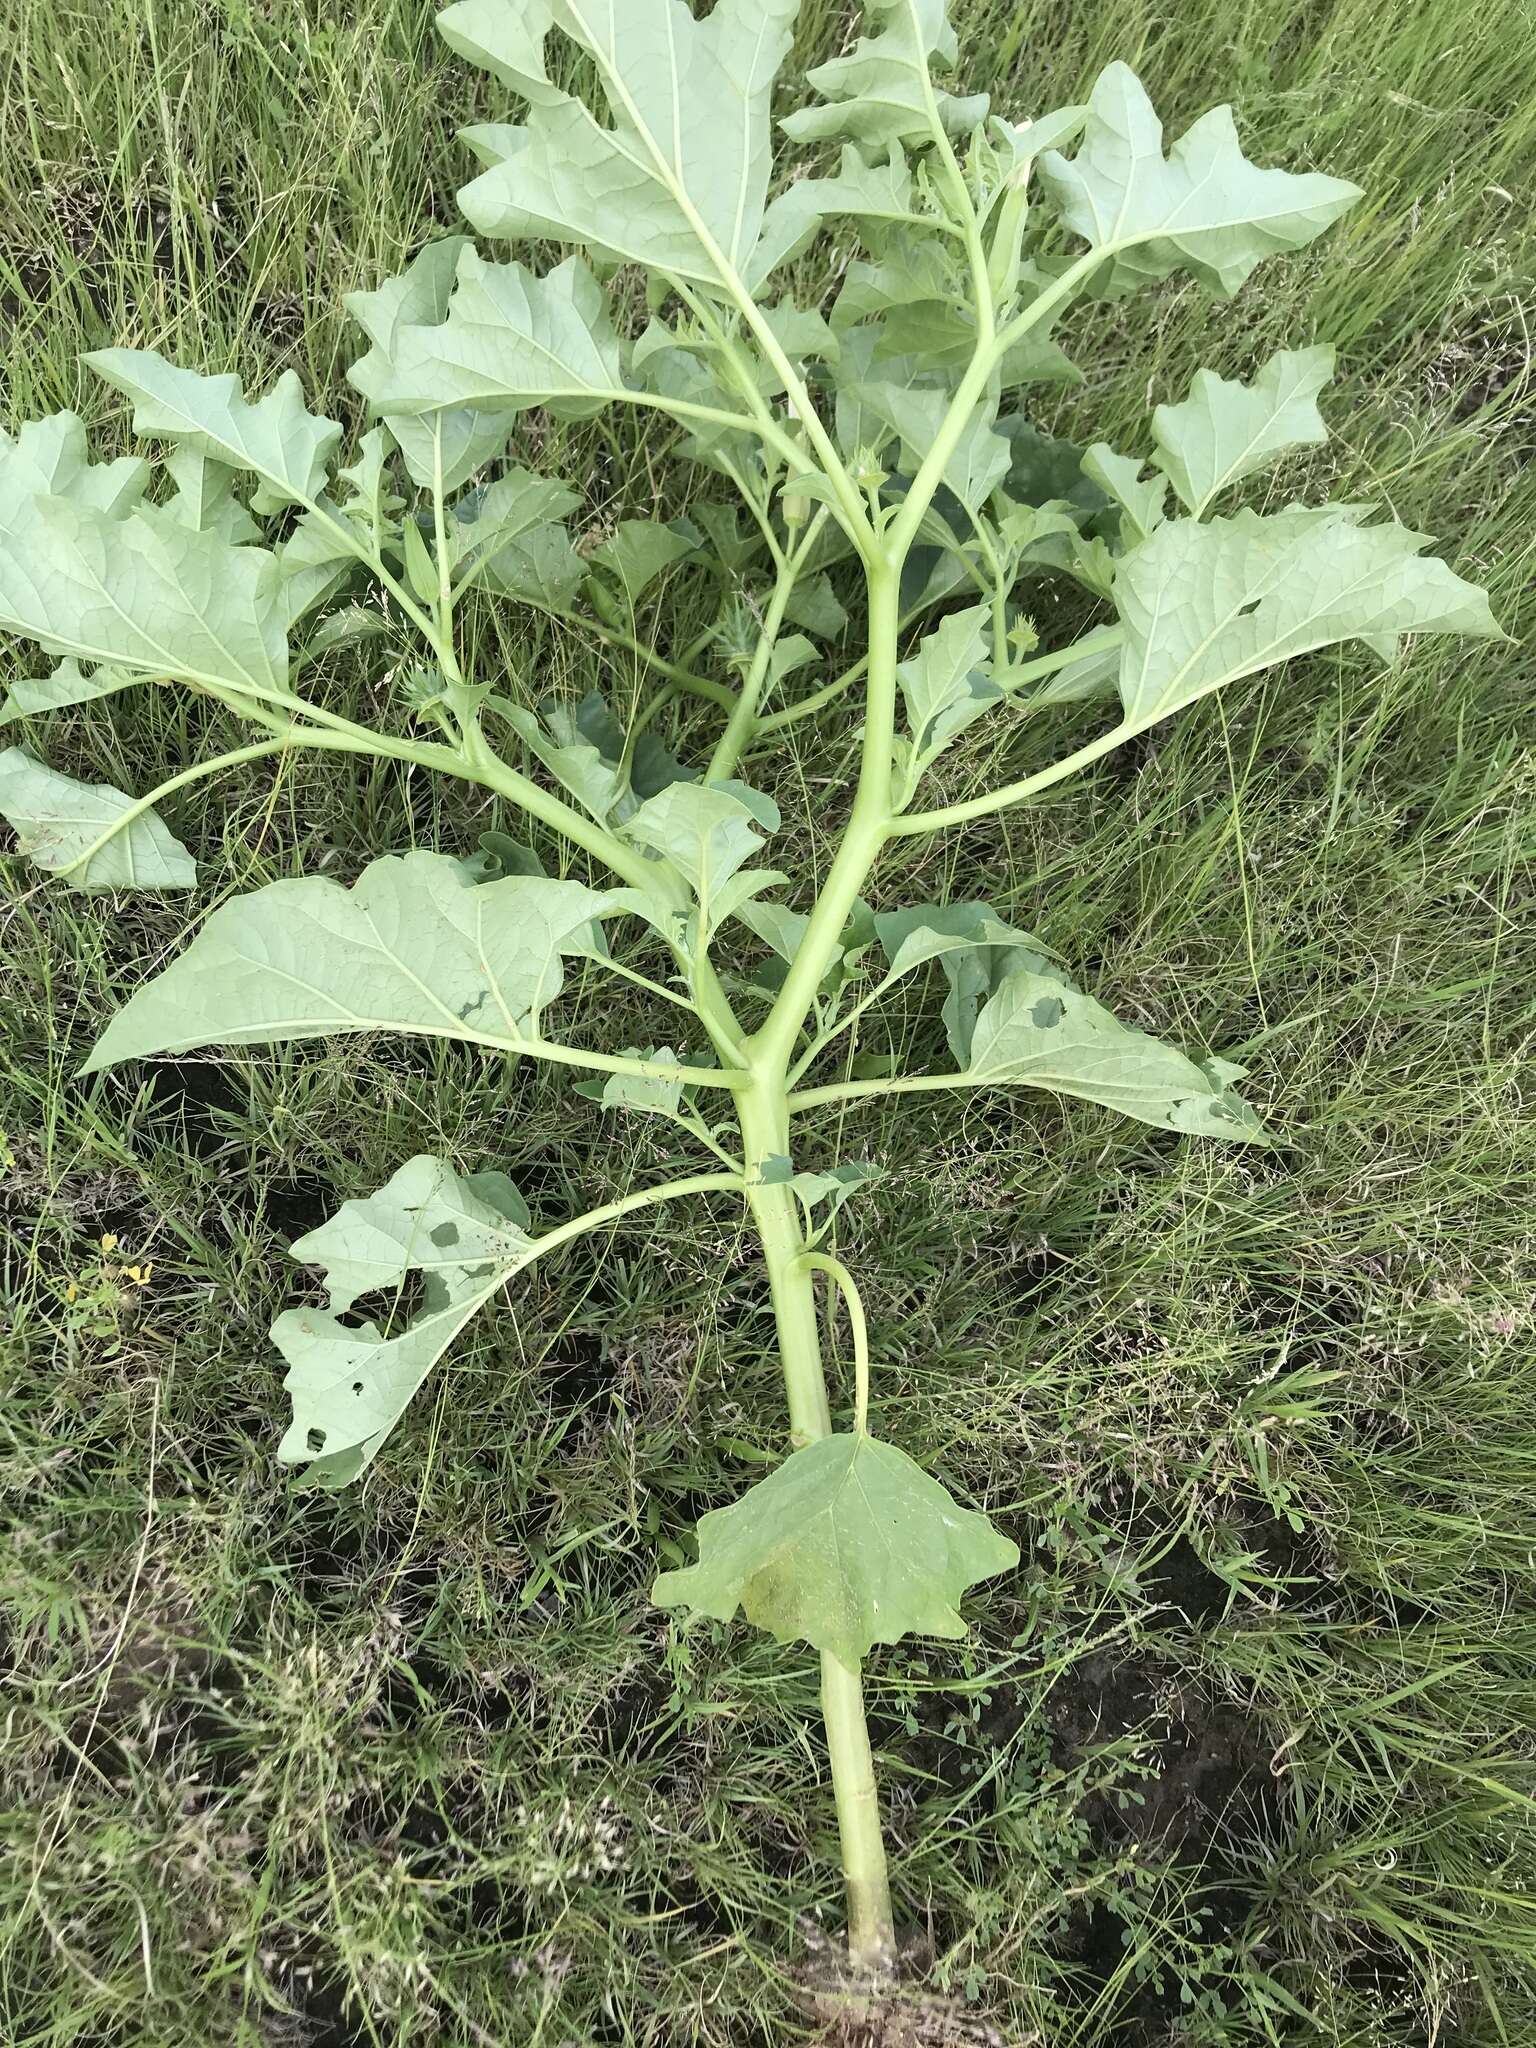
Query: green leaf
point(847, 1544)
point(705, 831)
point(944, 688)
point(277, 438)
point(426, 1220)
point(506, 41)
point(678, 180)
point(976, 949)
point(1040, 1031)
point(49, 458)
point(1225, 431)
point(413, 946)
point(639, 550)
point(981, 458)
point(776, 925)
point(734, 542)
point(878, 94)
point(1207, 602)
point(205, 498)
point(313, 562)
point(1119, 476)
point(58, 820)
point(509, 341)
point(372, 504)
point(488, 521)
point(142, 592)
point(1047, 471)
point(68, 684)
point(814, 604)
point(678, 366)
point(350, 1384)
point(641, 1093)
point(831, 1186)
point(540, 567)
point(1204, 208)
point(874, 192)
point(461, 439)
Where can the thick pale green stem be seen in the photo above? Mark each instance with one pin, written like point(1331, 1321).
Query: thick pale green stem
point(765, 1132)
point(871, 1930)
point(763, 1108)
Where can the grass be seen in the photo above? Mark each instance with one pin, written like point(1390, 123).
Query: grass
point(1243, 1753)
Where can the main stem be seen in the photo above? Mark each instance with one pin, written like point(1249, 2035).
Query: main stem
point(871, 1929)
point(764, 1111)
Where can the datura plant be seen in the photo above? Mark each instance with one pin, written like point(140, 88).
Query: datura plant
point(840, 352)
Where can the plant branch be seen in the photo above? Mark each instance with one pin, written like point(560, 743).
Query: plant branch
point(739, 731)
point(643, 1198)
point(898, 1084)
point(236, 757)
point(1028, 786)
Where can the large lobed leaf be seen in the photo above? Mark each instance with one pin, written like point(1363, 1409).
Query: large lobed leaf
point(1207, 602)
point(350, 1383)
point(456, 440)
point(847, 1544)
point(880, 95)
point(1204, 207)
point(507, 340)
point(1013, 1017)
point(1225, 431)
point(49, 458)
point(140, 590)
point(413, 946)
point(277, 437)
point(679, 179)
point(59, 821)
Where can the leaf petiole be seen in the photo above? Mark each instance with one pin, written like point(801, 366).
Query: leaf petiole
point(823, 1262)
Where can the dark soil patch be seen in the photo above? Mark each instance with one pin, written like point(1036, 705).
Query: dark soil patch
point(580, 1371)
point(198, 1093)
point(1207, 1783)
point(292, 1208)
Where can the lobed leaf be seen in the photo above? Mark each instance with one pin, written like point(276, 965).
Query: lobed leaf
point(830, 1187)
point(277, 438)
point(49, 458)
point(457, 440)
point(1225, 431)
point(1141, 499)
point(1207, 602)
point(58, 822)
point(944, 688)
point(879, 95)
point(350, 1384)
point(847, 1544)
point(509, 340)
point(679, 179)
point(414, 945)
point(1040, 1031)
point(880, 192)
point(139, 591)
point(1204, 207)
point(640, 550)
point(976, 950)
point(67, 684)
point(705, 832)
